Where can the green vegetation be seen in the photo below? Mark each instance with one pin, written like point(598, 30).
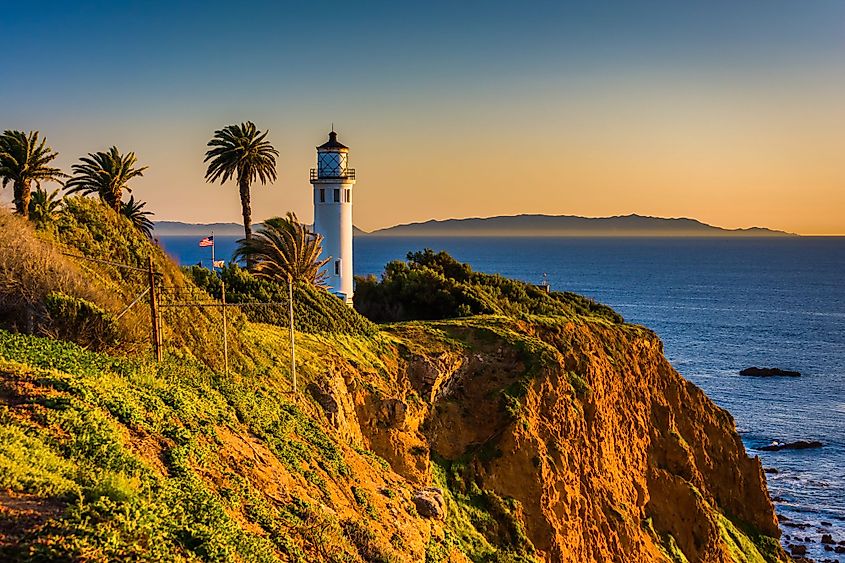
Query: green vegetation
point(44, 207)
point(24, 161)
point(241, 152)
point(72, 444)
point(74, 318)
point(479, 523)
point(746, 545)
point(140, 219)
point(106, 175)
point(433, 286)
point(315, 309)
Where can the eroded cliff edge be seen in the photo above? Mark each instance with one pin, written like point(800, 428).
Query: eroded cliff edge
point(578, 433)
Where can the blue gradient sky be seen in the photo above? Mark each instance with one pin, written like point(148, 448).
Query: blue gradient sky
point(730, 112)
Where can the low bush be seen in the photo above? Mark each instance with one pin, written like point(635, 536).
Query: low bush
point(433, 286)
point(315, 310)
point(79, 320)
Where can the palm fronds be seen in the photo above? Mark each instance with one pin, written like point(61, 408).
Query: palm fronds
point(44, 206)
point(25, 161)
point(105, 174)
point(134, 211)
point(285, 250)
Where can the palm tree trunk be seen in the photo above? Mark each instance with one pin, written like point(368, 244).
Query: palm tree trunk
point(22, 196)
point(243, 184)
point(118, 196)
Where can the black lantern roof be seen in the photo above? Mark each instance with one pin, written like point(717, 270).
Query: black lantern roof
point(332, 144)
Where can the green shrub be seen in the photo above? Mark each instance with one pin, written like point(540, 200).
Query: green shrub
point(315, 310)
point(433, 286)
point(77, 320)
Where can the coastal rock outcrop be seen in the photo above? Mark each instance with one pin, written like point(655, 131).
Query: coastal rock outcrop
point(797, 445)
point(769, 372)
point(584, 437)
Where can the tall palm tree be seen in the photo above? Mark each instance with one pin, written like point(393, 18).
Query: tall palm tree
point(134, 211)
point(44, 206)
point(106, 174)
point(25, 161)
point(241, 151)
point(284, 250)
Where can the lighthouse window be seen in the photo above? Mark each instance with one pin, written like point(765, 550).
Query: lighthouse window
point(337, 267)
point(348, 195)
point(337, 195)
point(322, 195)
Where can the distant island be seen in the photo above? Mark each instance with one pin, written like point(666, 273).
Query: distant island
point(180, 229)
point(571, 226)
point(515, 225)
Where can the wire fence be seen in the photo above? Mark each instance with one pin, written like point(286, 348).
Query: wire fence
point(173, 298)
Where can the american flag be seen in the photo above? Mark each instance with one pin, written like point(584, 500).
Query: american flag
point(207, 241)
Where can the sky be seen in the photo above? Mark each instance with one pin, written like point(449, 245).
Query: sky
point(729, 112)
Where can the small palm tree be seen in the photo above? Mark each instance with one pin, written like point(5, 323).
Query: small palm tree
point(106, 174)
point(134, 211)
point(25, 161)
point(44, 206)
point(241, 151)
point(284, 250)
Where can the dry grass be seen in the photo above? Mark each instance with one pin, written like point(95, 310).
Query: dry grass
point(31, 270)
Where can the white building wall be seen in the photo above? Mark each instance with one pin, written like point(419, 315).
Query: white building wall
point(334, 222)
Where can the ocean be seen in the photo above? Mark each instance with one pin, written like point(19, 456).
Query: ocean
point(719, 305)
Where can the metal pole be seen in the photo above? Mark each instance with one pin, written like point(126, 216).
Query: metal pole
point(213, 269)
point(154, 310)
point(292, 342)
point(225, 329)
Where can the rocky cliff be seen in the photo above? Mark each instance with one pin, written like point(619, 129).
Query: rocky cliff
point(577, 435)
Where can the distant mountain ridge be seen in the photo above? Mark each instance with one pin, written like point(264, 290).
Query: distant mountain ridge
point(571, 225)
point(178, 228)
point(514, 225)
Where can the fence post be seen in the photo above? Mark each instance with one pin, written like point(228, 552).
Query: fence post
point(225, 330)
point(156, 337)
point(292, 342)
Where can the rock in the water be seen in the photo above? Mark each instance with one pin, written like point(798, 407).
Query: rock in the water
point(770, 470)
point(827, 538)
point(769, 372)
point(798, 549)
point(797, 445)
point(839, 549)
point(430, 503)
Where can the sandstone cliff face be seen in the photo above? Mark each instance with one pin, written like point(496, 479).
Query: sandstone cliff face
point(550, 440)
point(578, 437)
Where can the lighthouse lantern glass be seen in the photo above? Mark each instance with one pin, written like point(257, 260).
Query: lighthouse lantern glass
point(331, 164)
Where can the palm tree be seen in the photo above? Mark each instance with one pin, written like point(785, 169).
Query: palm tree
point(241, 151)
point(106, 174)
point(24, 161)
point(140, 219)
point(44, 206)
point(284, 250)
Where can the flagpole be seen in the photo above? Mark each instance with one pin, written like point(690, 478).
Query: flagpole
point(213, 268)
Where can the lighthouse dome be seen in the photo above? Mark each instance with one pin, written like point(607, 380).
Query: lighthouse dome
point(333, 159)
point(333, 145)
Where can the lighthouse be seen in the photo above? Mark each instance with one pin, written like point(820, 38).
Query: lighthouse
point(333, 181)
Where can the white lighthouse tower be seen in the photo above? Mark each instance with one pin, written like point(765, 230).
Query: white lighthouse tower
point(333, 181)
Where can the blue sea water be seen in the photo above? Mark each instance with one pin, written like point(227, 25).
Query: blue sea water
point(719, 305)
